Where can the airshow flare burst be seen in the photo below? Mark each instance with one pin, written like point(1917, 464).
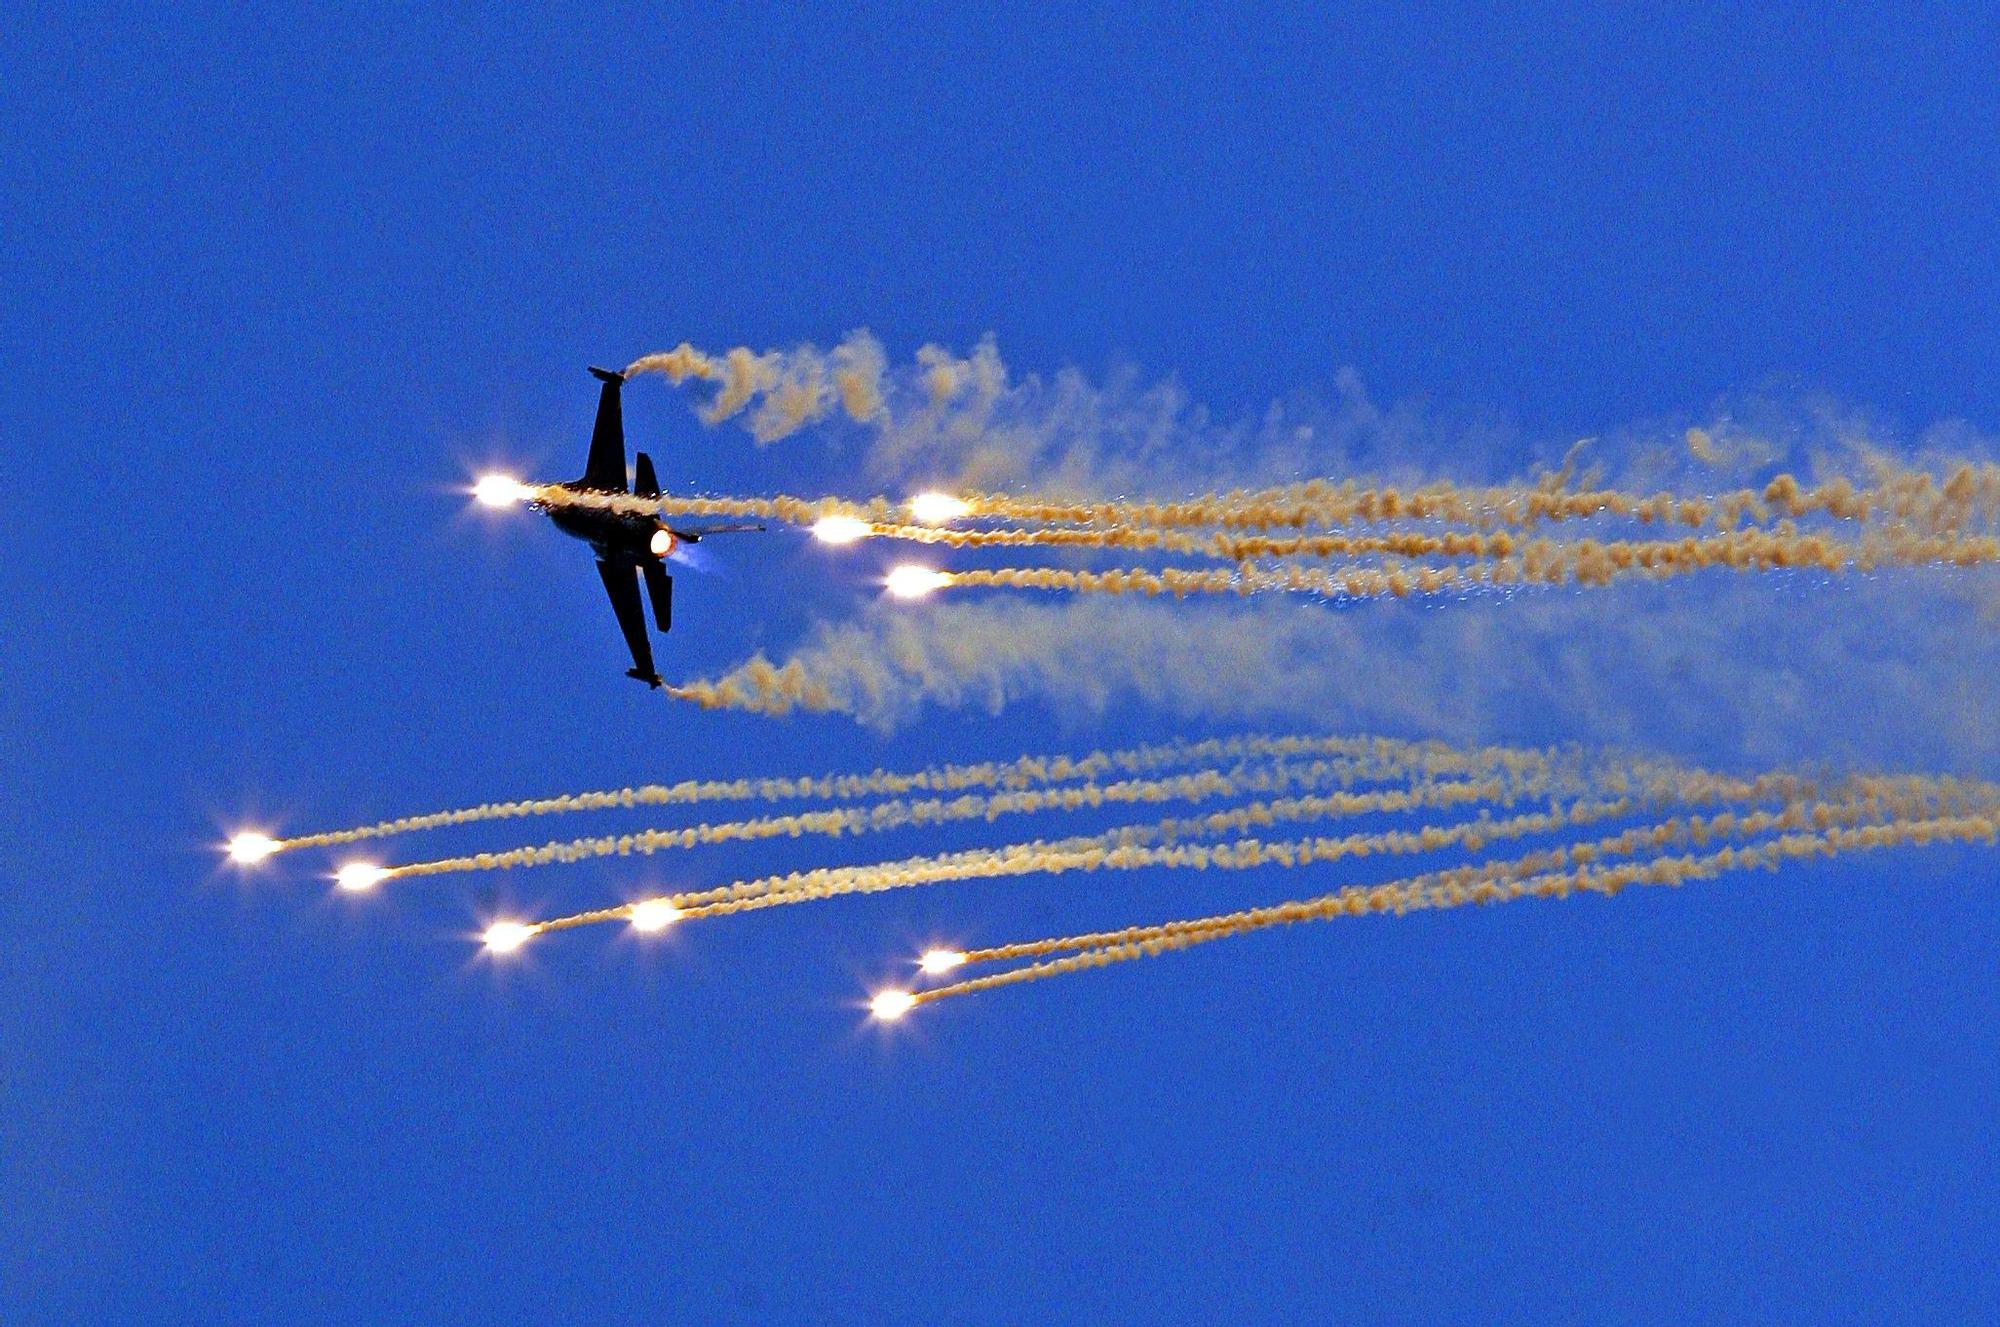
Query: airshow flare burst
point(1337, 809)
point(1338, 541)
point(1669, 824)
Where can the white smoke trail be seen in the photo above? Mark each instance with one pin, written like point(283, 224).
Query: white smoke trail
point(1747, 667)
point(898, 813)
point(1367, 758)
point(1486, 883)
point(966, 420)
point(1168, 844)
point(1539, 562)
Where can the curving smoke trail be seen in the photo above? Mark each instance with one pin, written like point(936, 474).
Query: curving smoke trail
point(897, 814)
point(1175, 842)
point(1436, 775)
point(1368, 757)
point(1486, 883)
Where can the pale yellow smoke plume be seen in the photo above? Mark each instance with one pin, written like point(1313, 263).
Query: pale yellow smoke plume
point(1968, 499)
point(784, 390)
point(1968, 495)
point(1376, 757)
point(1165, 844)
point(1486, 883)
point(897, 814)
point(1229, 547)
point(1359, 759)
point(1538, 562)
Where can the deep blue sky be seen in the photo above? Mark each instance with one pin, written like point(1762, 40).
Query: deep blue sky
point(271, 285)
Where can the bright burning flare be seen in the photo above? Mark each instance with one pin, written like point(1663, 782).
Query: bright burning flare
point(655, 914)
point(663, 543)
point(938, 508)
point(935, 961)
point(250, 847)
point(499, 491)
point(891, 1005)
point(840, 529)
point(359, 877)
point(506, 937)
point(913, 582)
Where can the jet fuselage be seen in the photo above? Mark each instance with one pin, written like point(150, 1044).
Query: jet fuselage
point(617, 536)
point(632, 547)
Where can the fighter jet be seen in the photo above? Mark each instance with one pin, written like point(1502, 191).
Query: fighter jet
point(630, 547)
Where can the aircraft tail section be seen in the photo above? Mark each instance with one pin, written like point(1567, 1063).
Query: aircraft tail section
point(605, 471)
point(646, 484)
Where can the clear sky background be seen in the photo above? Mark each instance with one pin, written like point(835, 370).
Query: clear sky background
point(273, 286)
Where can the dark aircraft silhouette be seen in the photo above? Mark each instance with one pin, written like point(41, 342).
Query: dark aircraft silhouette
point(630, 547)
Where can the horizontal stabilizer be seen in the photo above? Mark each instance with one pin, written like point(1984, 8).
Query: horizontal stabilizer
point(693, 533)
point(647, 484)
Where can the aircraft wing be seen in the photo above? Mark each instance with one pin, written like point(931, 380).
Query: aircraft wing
point(621, 582)
point(605, 470)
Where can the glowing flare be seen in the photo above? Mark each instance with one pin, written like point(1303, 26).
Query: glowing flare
point(499, 491)
point(662, 543)
point(891, 1005)
point(914, 582)
point(250, 847)
point(654, 915)
point(840, 529)
point(941, 960)
point(506, 937)
point(358, 877)
point(938, 508)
